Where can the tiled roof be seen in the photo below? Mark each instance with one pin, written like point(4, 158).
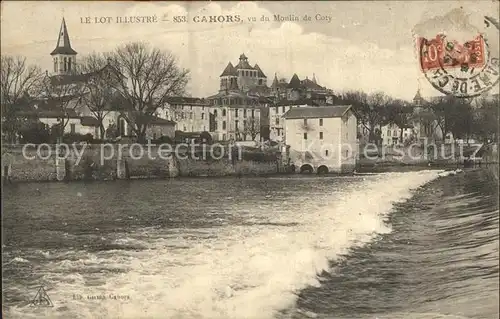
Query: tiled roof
point(229, 70)
point(65, 79)
point(260, 74)
point(316, 112)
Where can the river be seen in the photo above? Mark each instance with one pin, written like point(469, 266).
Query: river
point(388, 245)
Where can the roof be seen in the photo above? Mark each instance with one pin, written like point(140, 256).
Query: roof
point(63, 45)
point(243, 64)
point(296, 102)
point(294, 82)
point(69, 113)
point(229, 70)
point(260, 74)
point(182, 100)
point(316, 112)
point(311, 85)
point(89, 121)
point(153, 120)
point(64, 79)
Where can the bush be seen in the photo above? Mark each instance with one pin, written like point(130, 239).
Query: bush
point(162, 140)
point(39, 133)
point(71, 138)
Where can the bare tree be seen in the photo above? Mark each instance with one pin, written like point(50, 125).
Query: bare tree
point(152, 76)
point(19, 82)
point(64, 93)
point(369, 109)
point(251, 127)
point(399, 114)
point(100, 97)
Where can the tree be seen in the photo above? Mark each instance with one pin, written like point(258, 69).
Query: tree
point(99, 95)
point(399, 114)
point(19, 81)
point(251, 126)
point(369, 109)
point(485, 121)
point(63, 94)
point(152, 76)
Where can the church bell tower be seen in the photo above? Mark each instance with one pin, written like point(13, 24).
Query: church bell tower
point(63, 56)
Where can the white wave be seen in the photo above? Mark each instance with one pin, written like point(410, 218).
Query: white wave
point(245, 271)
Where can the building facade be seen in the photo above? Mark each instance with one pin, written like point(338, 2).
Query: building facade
point(321, 139)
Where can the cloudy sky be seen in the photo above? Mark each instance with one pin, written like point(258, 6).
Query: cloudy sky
point(364, 45)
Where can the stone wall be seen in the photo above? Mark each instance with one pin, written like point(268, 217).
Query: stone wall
point(117, 162)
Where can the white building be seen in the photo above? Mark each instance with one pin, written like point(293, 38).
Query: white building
point(276, 120)
point(190, 114)
point(321, 139)
point(391, 134)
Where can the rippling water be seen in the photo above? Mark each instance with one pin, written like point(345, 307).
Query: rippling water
point(393, 245)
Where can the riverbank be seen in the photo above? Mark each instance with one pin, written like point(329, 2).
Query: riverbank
point(94, 163)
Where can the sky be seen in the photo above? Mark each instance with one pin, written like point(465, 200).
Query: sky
point(358, 45)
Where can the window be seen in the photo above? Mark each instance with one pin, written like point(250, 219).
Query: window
point(65, 64)
point(215, 113)
point(223, 137)
point(388, 132)
point(202, 116)
point(236, 113)
point(253, 113)
point(184, 128)
point(277, 109)
point(320, 135)
point(346, 153)
point(305, 121)
point(326, 152)
point(73, 128)
point(320, 122)
point(190, 115)
point(223, 125)
point(305, 136)
point(69, 64)
point(244, 112)
point(277, 120)
point(282, 109)
point(236, 125)
point(224, 112)
point(260, 81)
point(55, 64)
point(395, 133)
point(191, 108)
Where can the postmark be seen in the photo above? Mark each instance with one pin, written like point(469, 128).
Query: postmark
point(462, 69)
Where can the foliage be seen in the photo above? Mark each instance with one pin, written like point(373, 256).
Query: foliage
point(36, 133)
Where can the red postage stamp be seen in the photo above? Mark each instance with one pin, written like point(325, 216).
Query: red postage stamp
point(447, 54)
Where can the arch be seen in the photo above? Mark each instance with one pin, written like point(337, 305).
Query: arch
point(322, 170)
point(306, 168)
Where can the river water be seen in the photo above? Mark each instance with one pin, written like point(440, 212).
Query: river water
point(388, 245)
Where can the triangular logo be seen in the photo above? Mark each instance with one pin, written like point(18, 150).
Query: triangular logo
point(41, 299)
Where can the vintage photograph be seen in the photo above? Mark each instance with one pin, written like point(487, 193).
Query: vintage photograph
point(250, 160)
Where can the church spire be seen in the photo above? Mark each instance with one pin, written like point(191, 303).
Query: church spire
point(63, 45)
point(63, 56)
